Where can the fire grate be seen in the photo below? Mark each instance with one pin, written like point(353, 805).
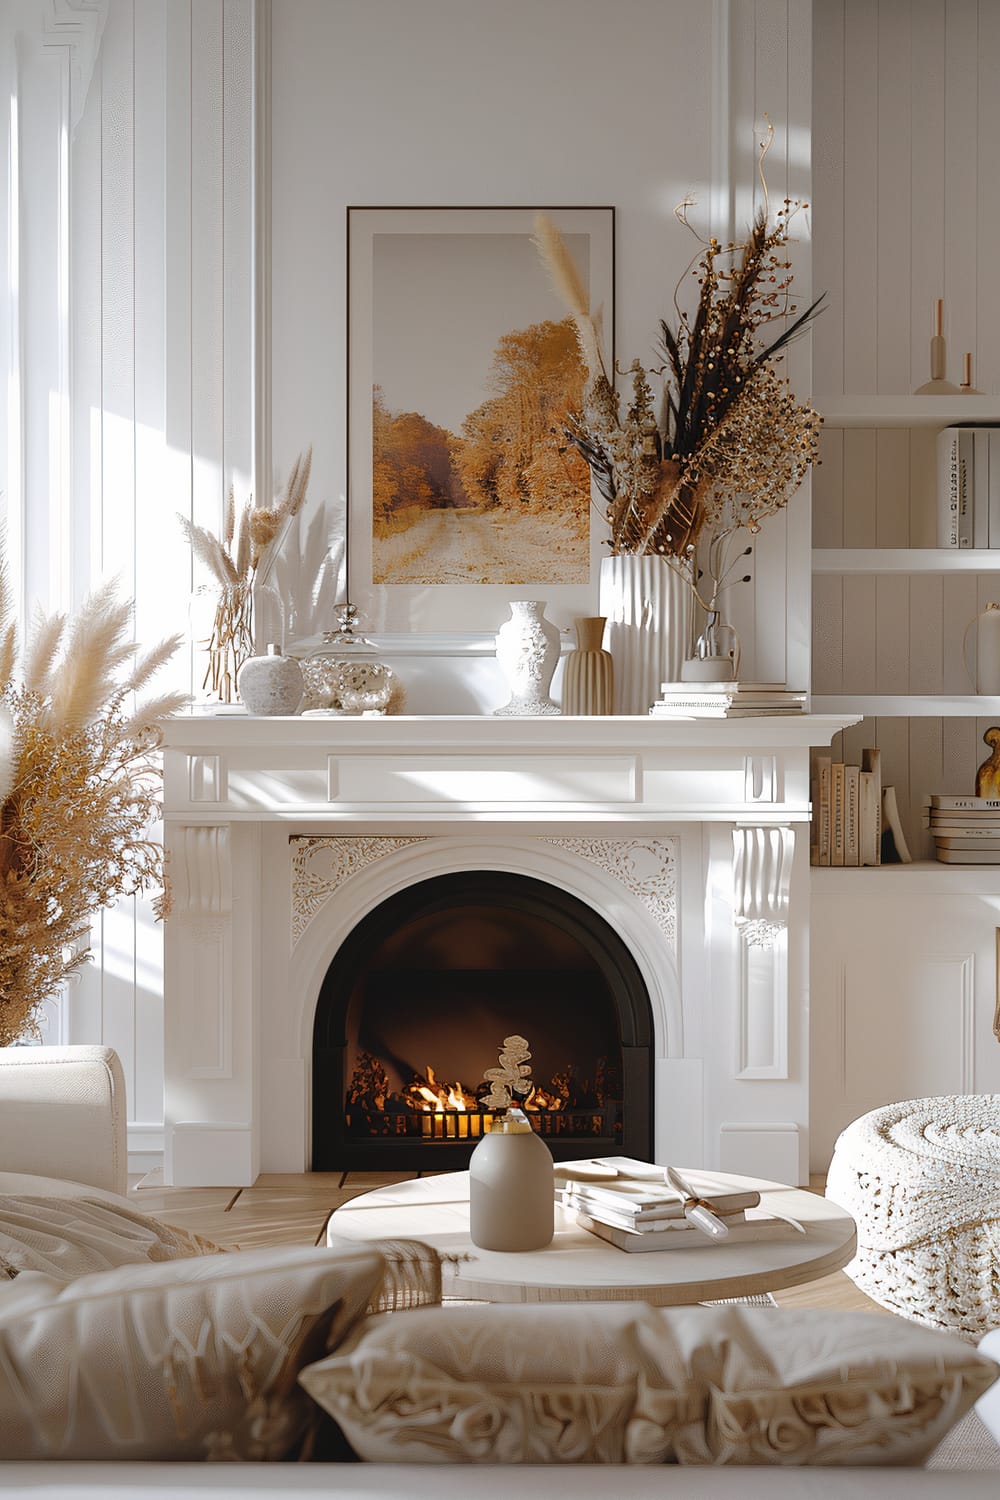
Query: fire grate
point(471, 1124)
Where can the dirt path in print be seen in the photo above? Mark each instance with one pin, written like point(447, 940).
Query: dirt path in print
point(454, 546)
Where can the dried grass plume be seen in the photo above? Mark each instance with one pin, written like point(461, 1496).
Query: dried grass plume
point(79, 785)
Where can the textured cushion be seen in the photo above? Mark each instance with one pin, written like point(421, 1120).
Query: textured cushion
point(69, 1237)
point(629, 1383)
point(189, 1359)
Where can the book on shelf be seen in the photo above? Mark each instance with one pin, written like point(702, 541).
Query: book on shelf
point(852, 809)
point(960, 841)
point(956, 827)
point(968, 486)
point(870, 814)
point(967, 856)
point(948, 802)
point(981, 487)
point(687, 1237)
point(966, 482)
point(948, 485)
point(837, 830)
point(823, 770)
point(895, 850)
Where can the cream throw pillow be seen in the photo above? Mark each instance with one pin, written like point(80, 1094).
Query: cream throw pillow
point(70, 1237)
point(629, 1383)
point(190, 1359)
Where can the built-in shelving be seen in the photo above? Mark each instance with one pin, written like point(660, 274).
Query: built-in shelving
point(906, 411)
point(909, 706)
point(906, 560)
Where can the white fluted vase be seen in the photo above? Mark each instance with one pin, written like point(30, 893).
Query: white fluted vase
point(648, 605)
point(527, 648)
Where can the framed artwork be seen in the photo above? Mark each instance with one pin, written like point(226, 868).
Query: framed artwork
point(462, 365)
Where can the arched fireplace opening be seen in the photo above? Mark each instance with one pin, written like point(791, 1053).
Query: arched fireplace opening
point(417, 1001)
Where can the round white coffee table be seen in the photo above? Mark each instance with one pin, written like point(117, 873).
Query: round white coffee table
point(578, 1266)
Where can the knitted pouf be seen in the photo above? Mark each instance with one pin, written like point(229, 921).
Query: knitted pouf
point(922, 1181)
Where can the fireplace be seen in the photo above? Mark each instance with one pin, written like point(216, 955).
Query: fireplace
point(672, 851)
point(418, 999)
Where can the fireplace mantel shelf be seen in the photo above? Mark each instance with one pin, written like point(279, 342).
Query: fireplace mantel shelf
point(447, 732)
point(426, 770)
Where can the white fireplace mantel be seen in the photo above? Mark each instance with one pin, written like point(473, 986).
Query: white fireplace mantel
point(723, 803)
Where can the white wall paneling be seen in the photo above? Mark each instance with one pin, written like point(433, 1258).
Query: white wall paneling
point(128, 361)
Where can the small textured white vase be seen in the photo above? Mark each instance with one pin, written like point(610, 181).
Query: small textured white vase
point(648, 607)
point(527, 648)
point(271, 684)
point(511, 1187)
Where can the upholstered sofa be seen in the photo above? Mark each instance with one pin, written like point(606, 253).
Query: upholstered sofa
point(62, 1145)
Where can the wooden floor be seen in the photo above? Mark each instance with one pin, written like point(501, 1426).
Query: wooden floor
point(294, 1210)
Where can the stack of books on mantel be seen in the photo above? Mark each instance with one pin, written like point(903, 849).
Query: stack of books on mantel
point(726, 700)
point(966, 829)
point(633, 1208)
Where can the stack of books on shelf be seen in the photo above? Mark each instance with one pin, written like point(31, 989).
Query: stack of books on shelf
point(636, 1211)
point(968, 487)
point(726, 700)
point(855, 819)
point(966, 830)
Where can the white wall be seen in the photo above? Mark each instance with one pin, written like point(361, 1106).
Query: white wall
point(387, 102)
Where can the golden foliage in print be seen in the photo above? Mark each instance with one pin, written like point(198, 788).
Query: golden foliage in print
point(502, 466)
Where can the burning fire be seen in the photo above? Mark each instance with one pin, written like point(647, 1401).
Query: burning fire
point(433, 1097)
point(436, 1096)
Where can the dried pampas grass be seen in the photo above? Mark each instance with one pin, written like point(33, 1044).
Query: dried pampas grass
point(79, 784)
point(240, 560)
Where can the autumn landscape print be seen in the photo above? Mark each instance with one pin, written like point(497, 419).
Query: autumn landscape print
point(473, 373)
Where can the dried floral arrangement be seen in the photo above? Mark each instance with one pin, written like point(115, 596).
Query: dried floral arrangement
point(732, 444)
point(240, 561)
point(79, 784)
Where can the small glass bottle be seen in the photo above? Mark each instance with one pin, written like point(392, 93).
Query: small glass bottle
point(511, 1187)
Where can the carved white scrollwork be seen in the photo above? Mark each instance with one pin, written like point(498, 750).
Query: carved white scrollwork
point(646, 867)
point(762, 872)
point(321, 865)
point(201, 872)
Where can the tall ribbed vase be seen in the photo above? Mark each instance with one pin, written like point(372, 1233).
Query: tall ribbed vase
point(648, 605)
point(588, 679)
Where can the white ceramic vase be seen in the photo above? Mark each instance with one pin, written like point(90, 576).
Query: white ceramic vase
point(648, 605)
point(511, 1187)
point(527, 649)
point(271, 684)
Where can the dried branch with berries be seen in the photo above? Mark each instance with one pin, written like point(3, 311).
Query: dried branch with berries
point(732, 444)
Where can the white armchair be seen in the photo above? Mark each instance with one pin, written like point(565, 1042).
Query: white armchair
point(62, 1114)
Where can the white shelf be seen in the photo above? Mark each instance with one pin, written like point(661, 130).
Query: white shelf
point(906, 560)
point(925, 706)
point(906, 411)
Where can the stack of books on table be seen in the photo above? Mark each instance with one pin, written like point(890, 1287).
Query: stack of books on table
point(966, 829)
point(637, 1213)
point(726, 700)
